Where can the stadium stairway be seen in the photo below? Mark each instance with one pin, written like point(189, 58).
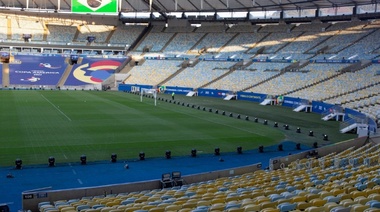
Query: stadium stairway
point(218, 78)
point(5, 71)
point(169, 41)
point(353, 43)
point(352, 67)
point(65, 75)
point(191, 50)
point(141, 38)
point(255, 44)
point(266, 80)
point(228, 42)
point(310, 51)
point(171, 76)
point(289, 42)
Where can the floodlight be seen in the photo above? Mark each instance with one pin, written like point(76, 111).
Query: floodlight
point(113, 157)
point(286, 127)
point(239, 150)
point(193, 153)
point(83, 159)
point(315, 144)
point(311, 133)
point(298, 130)
point(142, 155)
point(261, 149)
point(325, 137)
point(18, 163)
point(298, 146)
point(217, 151)
point(168, 154)
point(275, 124)
point(265, 122)
point(51, 161)
point(247, 118)
point(280, 147)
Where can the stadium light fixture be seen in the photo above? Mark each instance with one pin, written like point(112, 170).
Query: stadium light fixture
point(275, 124)
point(18, 163)
point(315, 145)
point(51, 161)
point(311, 133)
point(239, 150)
point(298, 146)
point(193, 153)
point(286, 127)
point(261, 149)
point(168, 154)
point(325, 137)
point(142, 155)
point(256, 120)
point(113, 157)
point(265, 122)
point(298, 130)
point(83, 159)
point(217, 151)
point(280, 147)
point(247, 118)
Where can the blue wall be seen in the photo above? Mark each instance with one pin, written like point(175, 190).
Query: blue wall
point(177, 90)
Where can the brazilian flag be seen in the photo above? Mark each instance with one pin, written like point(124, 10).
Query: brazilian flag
point(94, 6)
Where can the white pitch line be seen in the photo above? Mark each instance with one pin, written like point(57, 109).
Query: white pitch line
point(56, 108)
point(74, 172)
point(64, 156)
point(80, 181)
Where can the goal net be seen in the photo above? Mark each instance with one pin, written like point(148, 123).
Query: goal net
point(149, 92)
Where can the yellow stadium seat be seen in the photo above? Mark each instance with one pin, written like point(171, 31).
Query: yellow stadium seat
point(185, 210)
point(217, 207)
point(173, 207)
point(235, 210)
point(252, 207)
point(303, 205)
point(358, 207)
point(131, 209)
point(315, 209)
point(67, 209)
point(157, 209)
point(117, 210)
point(298, 199)
point(372, 210)
point(189, 205)
point(264, 205)
point(330, 205)
point(374, 197)
point(358, 194)
point(318, 202)
point(270, 210)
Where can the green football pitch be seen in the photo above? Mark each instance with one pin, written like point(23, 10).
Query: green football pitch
point(37, 124)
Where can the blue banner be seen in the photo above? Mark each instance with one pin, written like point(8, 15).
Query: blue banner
point(212, 92)
point(222, 59)
point(133, 87)
point(177, 90)
point(320, 107)
point(334, 61)
point(249, 96)
point(293, 102)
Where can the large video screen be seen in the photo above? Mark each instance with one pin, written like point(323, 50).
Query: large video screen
point(94, 6)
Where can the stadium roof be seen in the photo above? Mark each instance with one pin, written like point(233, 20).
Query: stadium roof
point(193, 5)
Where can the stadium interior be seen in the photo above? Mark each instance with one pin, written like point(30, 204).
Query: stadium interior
point(313, 56)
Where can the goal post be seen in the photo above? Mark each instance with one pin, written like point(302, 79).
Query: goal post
point(147, 91)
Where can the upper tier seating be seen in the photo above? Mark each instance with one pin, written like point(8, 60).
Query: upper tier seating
point(153, 72)
point(126, 35)
point(24, 26)
point(202, 73)
point(100, 32)
point(60, 33)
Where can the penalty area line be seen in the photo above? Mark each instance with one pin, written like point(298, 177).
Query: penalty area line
point(56, 108)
